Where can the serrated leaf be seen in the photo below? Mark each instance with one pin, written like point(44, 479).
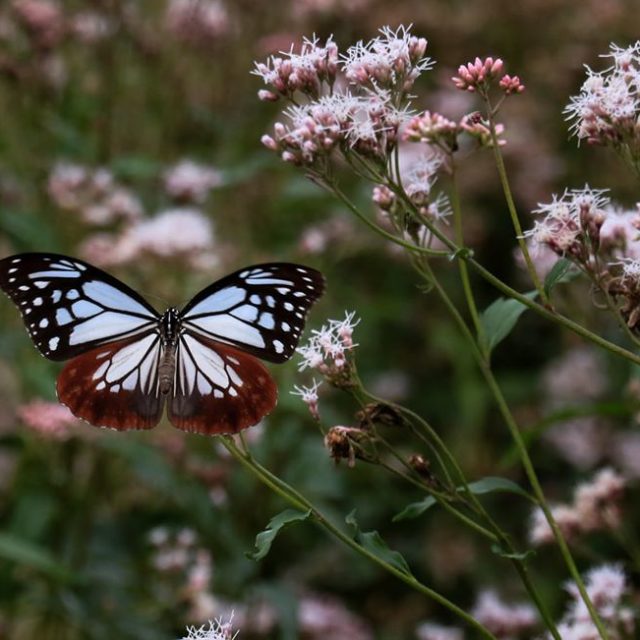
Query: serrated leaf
point(562, 271)
point(17, 549)
point(265, 538)
point(414, 509)
point(372, 541)
point(499, 318)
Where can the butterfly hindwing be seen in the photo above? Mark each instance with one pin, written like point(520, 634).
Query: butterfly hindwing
point(69, 306)
point(217, 388)
point(115, 385)
point(260, 309)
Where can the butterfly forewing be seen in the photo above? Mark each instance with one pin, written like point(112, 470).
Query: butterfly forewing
point(116, 385)
point(69, 307)
point(218, 389)
point(260, 309)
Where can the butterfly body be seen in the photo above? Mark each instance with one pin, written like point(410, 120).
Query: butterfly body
point(126, 361)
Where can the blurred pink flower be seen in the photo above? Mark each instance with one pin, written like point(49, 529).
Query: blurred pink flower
point(322, 617)
point(197, 22)
point(48, 419)
point(430, 631)
point(502, 619)
point(91, 26)
point(188, 181)
point(216, 630)
point(43, 19)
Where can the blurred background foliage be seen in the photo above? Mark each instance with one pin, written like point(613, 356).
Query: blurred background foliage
point(112, 535)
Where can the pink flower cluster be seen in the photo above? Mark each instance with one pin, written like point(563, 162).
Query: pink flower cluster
point(189, 181)
point(502, 619)
point(607, 588)
point(595, 507)
point(327, 349)
point(364, 120)
point(184, 233)
point(93, 194)
point(480, 74)
point(393, 61)
point(47, 419)
point(606, 110)
point(305, 72)
point(177, 558)
point(197, 22)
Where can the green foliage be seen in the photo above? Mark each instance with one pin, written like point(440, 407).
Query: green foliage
point(265, 538)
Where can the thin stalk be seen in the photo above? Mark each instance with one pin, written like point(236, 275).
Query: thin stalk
point(504, 181)
point(296, 499)
point(524, 454)
point(462, 265)
point(460, 254)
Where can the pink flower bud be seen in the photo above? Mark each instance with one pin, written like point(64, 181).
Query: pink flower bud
point(267, 96)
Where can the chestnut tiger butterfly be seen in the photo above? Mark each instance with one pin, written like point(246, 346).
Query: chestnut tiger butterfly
point(125, 359)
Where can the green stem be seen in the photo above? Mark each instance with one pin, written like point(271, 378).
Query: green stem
point(462, 265)
point(484, 273)
point(296, 499)
point(504, 181)
point(524, 454)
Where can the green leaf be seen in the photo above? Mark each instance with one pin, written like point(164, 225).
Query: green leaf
point(499, 318)
point(489, 484)
point(17, 549)
point(372, 541)
point(562, 271)
point(415, 509)
point(265, 538)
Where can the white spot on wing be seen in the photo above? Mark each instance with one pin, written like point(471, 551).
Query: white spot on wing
point(278, 346)
point(53, 343)
point(63, 316)
point(229, 328)
point(107, 324)
point(218, 301)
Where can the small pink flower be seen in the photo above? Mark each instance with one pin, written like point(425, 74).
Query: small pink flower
point(478, 74)
point(48, 419)
point(189, 181)
point(383, 197)
point(511, 84)
point(309, 396)
point(432, 128)
point(43, 19)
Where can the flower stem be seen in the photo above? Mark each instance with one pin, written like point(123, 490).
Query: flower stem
point(296, 499)
point(504, 181)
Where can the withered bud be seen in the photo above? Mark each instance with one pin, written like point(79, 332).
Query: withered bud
point(339, 440)
point(422, 467)
point(379, 413)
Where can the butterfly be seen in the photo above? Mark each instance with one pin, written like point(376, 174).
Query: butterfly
point(125, 360)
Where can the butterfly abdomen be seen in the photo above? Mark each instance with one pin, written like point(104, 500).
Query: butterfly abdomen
point(167, 368)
